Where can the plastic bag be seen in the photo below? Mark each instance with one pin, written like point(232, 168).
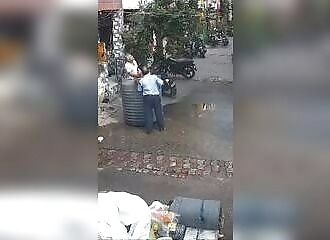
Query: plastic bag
point(158, 206)
point(163, 220)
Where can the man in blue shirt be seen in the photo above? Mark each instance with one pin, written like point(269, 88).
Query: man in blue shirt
point(151, 89)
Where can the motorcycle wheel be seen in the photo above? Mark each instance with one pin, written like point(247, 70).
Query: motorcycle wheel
point(189, 72)
point(225, 42)
point(173, 92)
point(166, 93)
point(214, 43)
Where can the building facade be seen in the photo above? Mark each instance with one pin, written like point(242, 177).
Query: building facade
point(133, 4)
point(111, 25)
point(109, 4)
point(111, 22)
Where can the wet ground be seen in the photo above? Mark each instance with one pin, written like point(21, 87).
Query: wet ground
point(191, 128)
point(192, 158)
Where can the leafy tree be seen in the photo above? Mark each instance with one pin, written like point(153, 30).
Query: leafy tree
point(137, 41)
point(175, 20)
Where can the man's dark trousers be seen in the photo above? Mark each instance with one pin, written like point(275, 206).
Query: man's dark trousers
point(153, 102)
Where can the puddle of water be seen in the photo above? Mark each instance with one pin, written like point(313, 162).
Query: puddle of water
point(197, 108)
point(189, 112)
point(203, 107)
point(200, 109)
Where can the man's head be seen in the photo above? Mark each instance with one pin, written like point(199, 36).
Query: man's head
point(145, 70)
point(154, 69)
point(129, 58)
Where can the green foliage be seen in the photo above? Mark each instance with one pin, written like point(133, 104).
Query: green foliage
point(137, 41)
point(171, 19)
point(219, 18)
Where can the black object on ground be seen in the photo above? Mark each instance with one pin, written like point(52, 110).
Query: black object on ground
point(177, 66)
point(179, 232)
point(197, 213)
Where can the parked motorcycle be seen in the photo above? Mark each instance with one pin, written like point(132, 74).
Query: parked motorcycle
point(198, 48)
point(169, 86)
point(195, 48)
point(201, 51)
point(219, 38)
point(188, 53)
point(224, 39)
point(183, 66)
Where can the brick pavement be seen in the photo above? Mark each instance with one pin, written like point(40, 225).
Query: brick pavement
point(161, 164)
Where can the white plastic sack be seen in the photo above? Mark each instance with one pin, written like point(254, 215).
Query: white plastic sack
point(120, 209)
point(158, 206)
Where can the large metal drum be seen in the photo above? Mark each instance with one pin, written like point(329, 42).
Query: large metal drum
point(132, 101)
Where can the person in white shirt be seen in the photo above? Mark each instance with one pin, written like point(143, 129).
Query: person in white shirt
point(151, 90)
point(118, 210)
point(132, 67)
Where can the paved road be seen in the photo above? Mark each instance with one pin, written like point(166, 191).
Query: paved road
point(217, 66)
point(192, 158)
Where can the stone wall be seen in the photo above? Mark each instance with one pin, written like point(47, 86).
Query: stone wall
point(113, 89)
point(118, 23)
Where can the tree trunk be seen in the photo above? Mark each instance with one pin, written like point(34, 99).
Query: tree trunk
point(159, 48)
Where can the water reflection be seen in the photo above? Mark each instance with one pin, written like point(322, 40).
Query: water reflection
point(201, 108)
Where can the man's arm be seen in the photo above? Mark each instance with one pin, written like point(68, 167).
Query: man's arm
point(139, 72)
point(138, 80)
point(138, 75)
point(135, 75)
point(130, 71)
point(159, 81)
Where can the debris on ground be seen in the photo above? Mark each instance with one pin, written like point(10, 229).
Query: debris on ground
point(163, 221)
point(160, 164)
point(166, 225)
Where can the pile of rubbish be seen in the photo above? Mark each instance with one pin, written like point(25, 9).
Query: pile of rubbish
point(107, 87)
point(168, 224)
point(164, 223)
point(127, 216)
